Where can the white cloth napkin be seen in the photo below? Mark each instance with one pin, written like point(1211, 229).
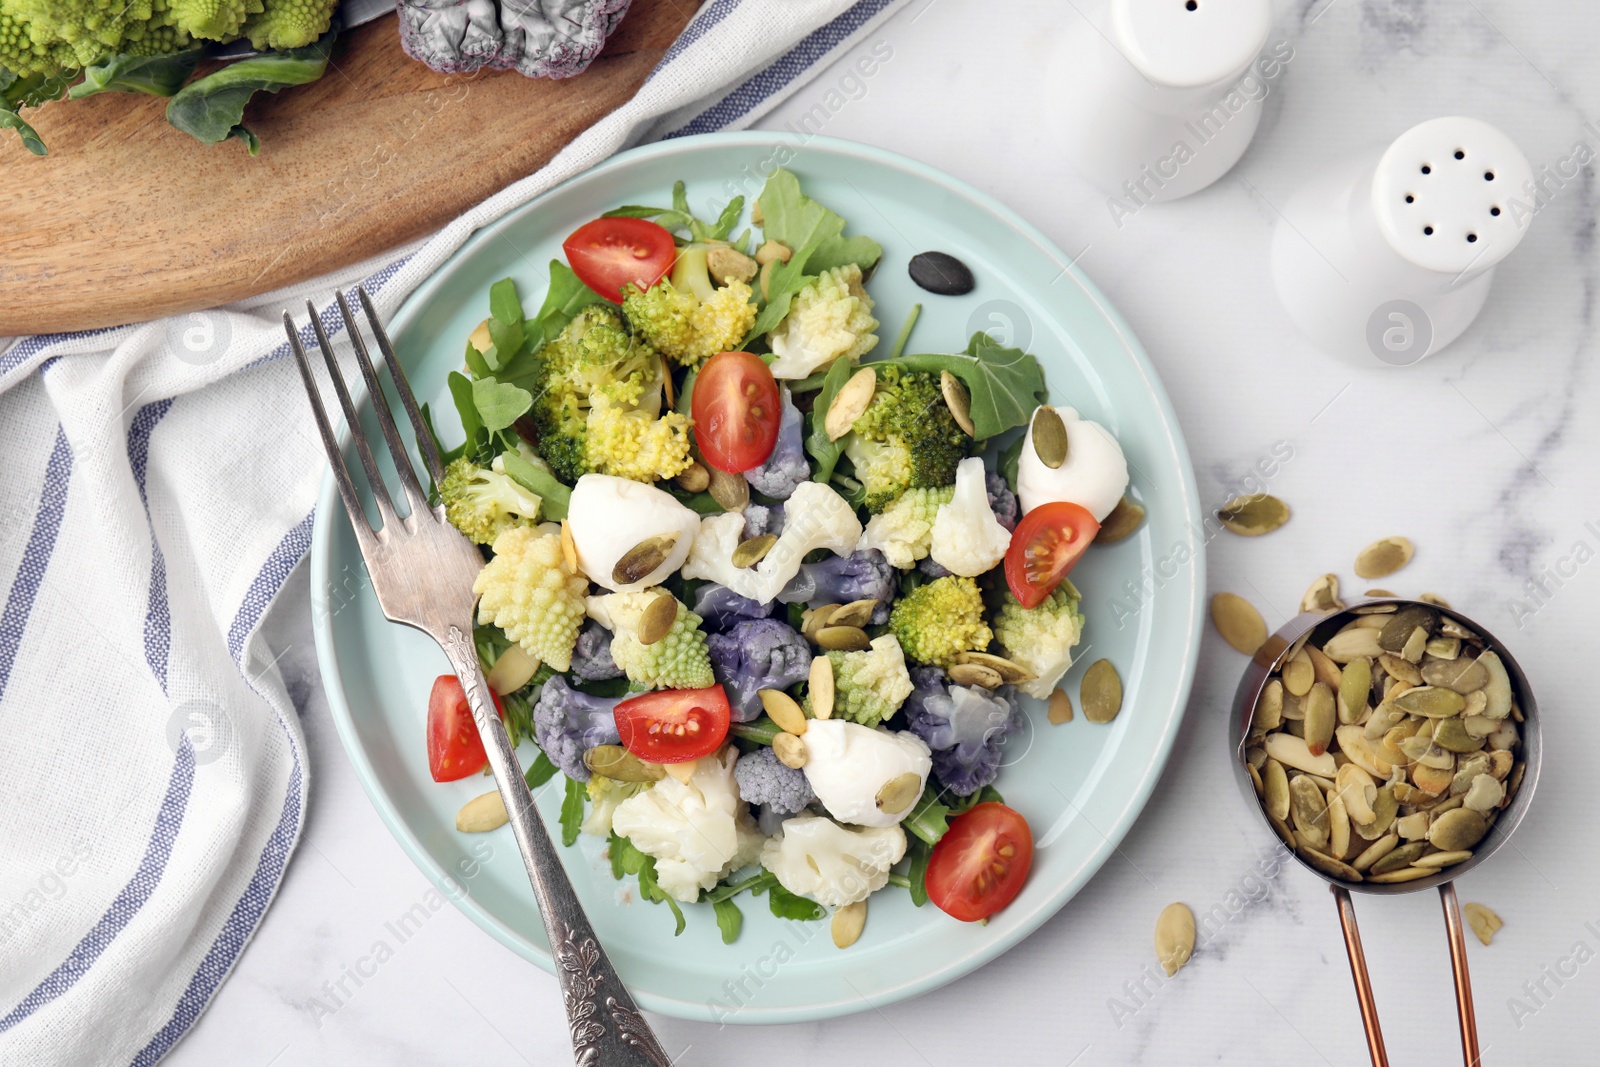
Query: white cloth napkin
point(157, 491)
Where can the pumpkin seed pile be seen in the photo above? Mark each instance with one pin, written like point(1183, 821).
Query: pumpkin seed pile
point(1383, 751)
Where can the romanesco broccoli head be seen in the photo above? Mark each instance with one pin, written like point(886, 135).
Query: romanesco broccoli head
point(215, 20)
point(90, 29)
point(869, 686)
point(159, 36)
point(680, 660)
point(938, 621)
point(903, 531)
point(829, 319)
point(289, 23)
point(688, 319)
point(632, 443)
point(527, 591)
point(906, 439)
point(484, 504)
point(1042, 638)
point(27, 47)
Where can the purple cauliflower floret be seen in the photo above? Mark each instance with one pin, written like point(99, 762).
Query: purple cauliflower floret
point(966, 726)
point(766, 783)
point(567, 723)
point(786, 468)
point(863, 575)
point(720, 608)
point(591, 657)
point(755, 655)
point(1002, 501)
point(550, 39)
point(762, 519)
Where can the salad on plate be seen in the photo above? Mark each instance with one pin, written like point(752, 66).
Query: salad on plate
point(769, 598)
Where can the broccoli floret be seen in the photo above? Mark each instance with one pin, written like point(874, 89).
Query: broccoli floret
point(869, 686)
point(680, 660)
point(1042, 638)
point(721, 609)
point(906, 439)
point(686, 317)
point(784, 470)
point(862, 575)
point(483, 504)
point(755, 655)
point(903, 531)
point(633, 443)
point(964, 725)
point(591, 656)
point(604, 796)
point(289, 23)
point(938, 621)
point(763, 781)
point(567, 723)
point(829, 319)
point(527, 591)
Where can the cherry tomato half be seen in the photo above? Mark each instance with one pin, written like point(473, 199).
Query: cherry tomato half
point(1044, 547)
point(736, 410)
point(607, 254)
point(980, 863)
point(674, 725)
point(454, 748)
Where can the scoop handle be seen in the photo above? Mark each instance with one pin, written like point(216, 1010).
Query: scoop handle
point(1458, 968)
point(1358, 971)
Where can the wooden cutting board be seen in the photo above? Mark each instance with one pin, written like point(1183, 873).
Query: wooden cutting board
point(128, 219)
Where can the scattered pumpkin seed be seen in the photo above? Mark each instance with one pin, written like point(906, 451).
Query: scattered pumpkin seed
point(1399, 857)
point(569, 548)
point(975, 674)
point(1484, 795)
point(1254, 514)
point(1446, 648)
point(618, 764)
point(1451, 735)
point(849, 403)
point(1123, 520)
point(480, 338)
point(1484, 922)
point(898, 792)
point(819, 688)
point(748, 553)
point(1238, 621)
point(1412, 652)
point(1401, 669)
point(640, 561)
point(855, 613)
point(1413, 827)
point(1323, 595)
point(482, 814)
point(814, 619)
point(1437, 860)
point(790, 750)
point(1382, 558)
point(1059, 709)
point(843, 638)
point(1338, 828)
point(694, 478)
point(1100, 692)
point(781, 709)
point(1049, 437)
point(1309, 809)
point(1174, 937)
point(1298, 674)
point(848, 922)
point(1498, 689)
point(1008, 670)
point(655, 622)
point(1434, 599)
point(731, 491)
point(959, 402)
point(1388, 593)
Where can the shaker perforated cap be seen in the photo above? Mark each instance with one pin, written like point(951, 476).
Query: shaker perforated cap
point(1443, 193)
point(1185, 44)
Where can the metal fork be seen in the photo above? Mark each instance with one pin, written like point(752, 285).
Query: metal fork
point(422, 570)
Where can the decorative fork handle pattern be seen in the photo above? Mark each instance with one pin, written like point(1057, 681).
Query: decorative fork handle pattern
point(607, 1029)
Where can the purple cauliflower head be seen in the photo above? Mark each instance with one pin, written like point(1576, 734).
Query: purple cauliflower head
point(966, 726)
point(567, 723)
point(548, 39)
point(720, 608)
point(766, 783)
point(755, 655)
point(591, 656)
point(762, 519)
point(786, 468)
point(863, 575)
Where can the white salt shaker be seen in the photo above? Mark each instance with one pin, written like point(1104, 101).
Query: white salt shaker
point(1388, 254)
point(1160, 105)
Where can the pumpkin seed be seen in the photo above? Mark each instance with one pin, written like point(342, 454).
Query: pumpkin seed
point(1480, 726)
point(1484, 922)
point(1504, 737)
point(1323, 595)
point(814, 619)
point(1239, 623)
point(1375, 851)
point(1387, 593)
point(1357, 642)
point(1395, 632)
point(1485, 794)
point(849, 403)
point(1382, 720)
point(569, 548)
point(1434, 599)
point(1412, 652)
point(1320, 718)
point(1409, 874)
point(1451, 735)
point(1467, 770)
point(1355, 683)
point(1402, 669)
point(1049, 437)
point(1253, 514)
point(1413, 827)
point(1294, 708)
point(1275, 787)
point(655, 622)
point(1457, 830)
point(694, 478)
point(1174, 937)
point(1400, 857)
point(1123, 520)
point(1443, 647)
point(1356, 786)
point(1515, 780)
point(1330, 866)
point(848, 922)
point(819, 688)
point(482, 814)
point(1269, 708)
point(1327, 671)
point(843, 638)
point(620, 765)
point(898, 792)
point(1100, 692)
point(480, 338)
point(644, 558)
point(1309, 809)
point(1500, 764)
point(975, 674)
point(1298, 674)
point(731, 491)
point(1009, 671)
point(1431, 701)
point(1463, 675)
point(1498, 689)
point(1059, 709)
point(1451, 628)
point(748, 553)
point(1283, 831)
point(1382, 558)
point(1385, 809)
point(1431, 780)
point(683, 770)
point(781, 709)
point(1292, 752)
point(513, 670)
point(855, 613)
point(1437, 860)
point(959, 403)
point(790, 750)
point(1338, 828)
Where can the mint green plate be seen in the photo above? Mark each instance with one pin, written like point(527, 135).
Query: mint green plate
point(1080, 785)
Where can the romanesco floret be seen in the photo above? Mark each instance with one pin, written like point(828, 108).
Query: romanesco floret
point(160, 35)
point(815, 857)
point(687, 318)
point(527, 591)
point(568, 722)
point(679, 660)
point(1042, 638)
point(604, 796)
point(91, 29)
point(903, 531)
point(484, 504)
point(869, 686)
point(214, 20)
point(906, 439)
point(632, 443)
point(289, 23)
point(831, 318)
point(765, 781)
point(938, 621)
point(27, 47)
point(698, 831)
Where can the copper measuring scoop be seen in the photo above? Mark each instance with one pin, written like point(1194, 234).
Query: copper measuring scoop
point(1269, 658)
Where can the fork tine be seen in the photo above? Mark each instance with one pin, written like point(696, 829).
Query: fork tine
point(380, 491)
point(330, 444)
point(408, 399)
point(380, 408)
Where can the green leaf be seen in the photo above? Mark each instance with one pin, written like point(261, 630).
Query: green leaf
point(726, 891)
point(212, 109)
point(826, 452)
point(787, 905)
point(572, 811)
point(553, 494)
point(929, 819)
point(35, 90)
point(727, 220)
point(566, 297)
point(701, 503)
point(1010, 456)
point(785, 281)
point(1005, 384)
point(151, 75)
point(729, 919)
point(507, 338)
point(789, 216)
point(30, 138)
point(921, 852)
point(499, 404)
point(761, 730)
point(540, 771)
point(461, 392)
point(504, 306)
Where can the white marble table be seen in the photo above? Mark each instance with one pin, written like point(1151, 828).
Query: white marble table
point(1478, 455)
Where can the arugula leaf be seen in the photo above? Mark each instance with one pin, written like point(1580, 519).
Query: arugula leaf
point(153, 75)
point(791, 217)
point(566, 297)
point(727, 220)
point(755, 884)
point(540, 771)
point(466, 407)
point(785, 280)
point(1010, 456)
point(729, 919)
point(626, 858)
point(572, 811)
point(701, 503)
point(929, 819)
point(679, 219)
point(554, 496)
point(920, 852)
point(787, 905)
point(762, 731)
point(1005, 384)
point(212, 108)
point(499, 404)
point(504, 305)
point(824, 451)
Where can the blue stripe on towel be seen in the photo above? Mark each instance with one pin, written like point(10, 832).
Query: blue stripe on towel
point(158, 612)
point(36, 556)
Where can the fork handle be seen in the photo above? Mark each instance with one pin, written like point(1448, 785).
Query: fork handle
point(607, 1028)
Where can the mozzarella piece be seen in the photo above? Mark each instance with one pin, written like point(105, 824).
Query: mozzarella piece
point(1094, 476)
point(609, 515)
point(847, 763)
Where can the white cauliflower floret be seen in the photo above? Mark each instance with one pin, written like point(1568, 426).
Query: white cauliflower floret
point(697, 831)
point(605, 794)
point(967, 539)
point(829, 319)
point(815, 516)
point(815, 857)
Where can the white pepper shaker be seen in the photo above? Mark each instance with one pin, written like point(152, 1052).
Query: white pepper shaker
point(1165, 100)
point(1388, 254)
